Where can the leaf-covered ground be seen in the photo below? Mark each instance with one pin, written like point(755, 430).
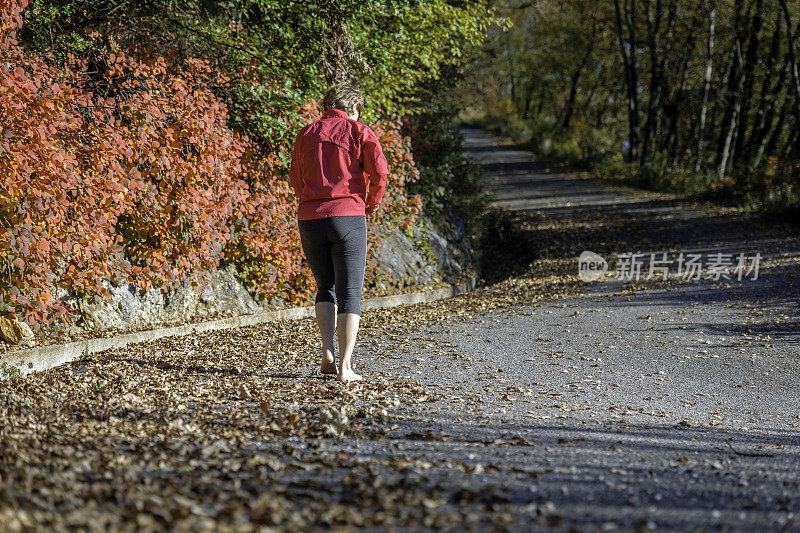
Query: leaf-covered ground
point(179, 432)
point(520, 406)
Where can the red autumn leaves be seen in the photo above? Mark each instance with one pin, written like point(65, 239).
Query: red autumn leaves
point(151, 186)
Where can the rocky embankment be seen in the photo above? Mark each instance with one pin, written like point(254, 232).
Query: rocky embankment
point(429, 257)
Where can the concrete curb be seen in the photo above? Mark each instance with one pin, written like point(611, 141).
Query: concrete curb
point(38, 359)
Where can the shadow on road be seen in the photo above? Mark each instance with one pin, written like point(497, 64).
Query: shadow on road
point(543, 218)
point(590, 476)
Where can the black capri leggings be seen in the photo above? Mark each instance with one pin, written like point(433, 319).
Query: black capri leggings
point(336, 250)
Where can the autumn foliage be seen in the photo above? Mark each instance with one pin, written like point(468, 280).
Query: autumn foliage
point(150, 185)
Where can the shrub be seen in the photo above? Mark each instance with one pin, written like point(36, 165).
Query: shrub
point(148, 183)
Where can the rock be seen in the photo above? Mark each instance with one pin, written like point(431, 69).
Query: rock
point(129, 308)
point(428, 256)
point(451, 249)
point(13, 331)
point(401, 259)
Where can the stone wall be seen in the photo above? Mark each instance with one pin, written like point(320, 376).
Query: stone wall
point(432, 255)
point(428, 257)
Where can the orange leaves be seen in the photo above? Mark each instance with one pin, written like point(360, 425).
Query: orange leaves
point(151, 186)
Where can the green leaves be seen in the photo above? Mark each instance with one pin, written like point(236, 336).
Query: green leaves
point(270, 112)
point(402, 43)
point(412, 44)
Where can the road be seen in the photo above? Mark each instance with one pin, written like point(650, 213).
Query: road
point(675, 407)
point(537, 402)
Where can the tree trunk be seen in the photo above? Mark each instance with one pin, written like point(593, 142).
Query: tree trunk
point(629, 64)
point(653, 23)
point(790, 146)
point(671, 109)
point(792, 56)
point(769, 92)
point(777, 133)
point(770, 135)
point(734, 90)
point(512, 82)
point(701, 125)
point(747, 89)
point(569, 107)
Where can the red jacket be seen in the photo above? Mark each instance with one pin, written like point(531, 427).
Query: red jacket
point(333, 161)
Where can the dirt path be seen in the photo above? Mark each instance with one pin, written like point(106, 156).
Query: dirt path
point(538, 402)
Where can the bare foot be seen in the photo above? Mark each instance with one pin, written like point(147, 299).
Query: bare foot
point(328, 365)
point(348, 375)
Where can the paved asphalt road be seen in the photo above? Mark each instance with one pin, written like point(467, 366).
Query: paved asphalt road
point(673, 408)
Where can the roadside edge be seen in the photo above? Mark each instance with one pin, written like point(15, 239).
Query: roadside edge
point(46, 357)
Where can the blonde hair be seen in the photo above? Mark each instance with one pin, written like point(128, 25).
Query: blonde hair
point(344, 96)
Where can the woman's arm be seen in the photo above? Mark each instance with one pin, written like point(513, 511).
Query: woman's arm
point(376, 170)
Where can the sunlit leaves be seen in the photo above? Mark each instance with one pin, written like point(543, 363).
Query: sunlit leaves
point(148, 183)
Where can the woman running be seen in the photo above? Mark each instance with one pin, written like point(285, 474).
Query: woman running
point(338, 173)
